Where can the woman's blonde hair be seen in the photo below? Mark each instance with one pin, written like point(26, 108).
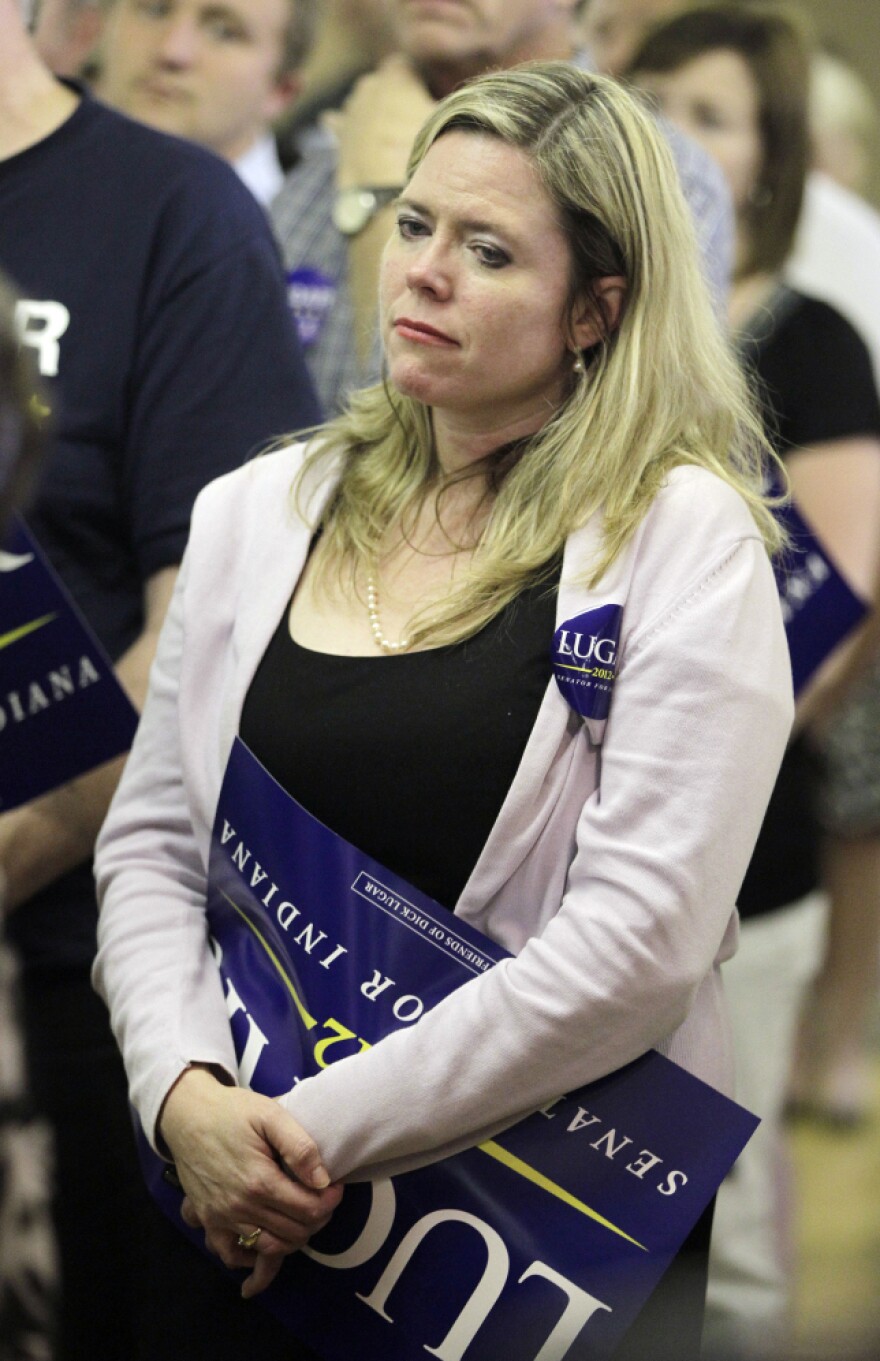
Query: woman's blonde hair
point(661, 389)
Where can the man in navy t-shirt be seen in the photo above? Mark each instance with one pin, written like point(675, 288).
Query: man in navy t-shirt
point(153, 304)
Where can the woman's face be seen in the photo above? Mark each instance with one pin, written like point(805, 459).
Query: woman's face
point(474, 286)
point(714, 99)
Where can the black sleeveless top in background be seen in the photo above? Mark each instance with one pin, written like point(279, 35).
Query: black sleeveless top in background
point(816, 384)
point(408, 756)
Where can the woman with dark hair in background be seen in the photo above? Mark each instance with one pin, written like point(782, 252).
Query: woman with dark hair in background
point(737, 79)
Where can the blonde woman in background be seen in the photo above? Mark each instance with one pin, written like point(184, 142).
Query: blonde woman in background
point(844, 123)
point(562, 428)
point(831, 1082)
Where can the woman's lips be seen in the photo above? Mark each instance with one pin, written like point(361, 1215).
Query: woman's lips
point(421, 333)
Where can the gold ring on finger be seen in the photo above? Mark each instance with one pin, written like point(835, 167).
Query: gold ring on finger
point(249, 1240)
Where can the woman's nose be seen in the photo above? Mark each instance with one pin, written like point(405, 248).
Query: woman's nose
point(430, 270)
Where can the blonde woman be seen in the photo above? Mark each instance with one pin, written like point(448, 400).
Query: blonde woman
point(562, 429)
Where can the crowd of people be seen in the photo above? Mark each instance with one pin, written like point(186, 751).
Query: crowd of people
point(561, 322)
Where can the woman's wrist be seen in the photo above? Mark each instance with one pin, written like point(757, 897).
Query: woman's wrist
point(197, 1083)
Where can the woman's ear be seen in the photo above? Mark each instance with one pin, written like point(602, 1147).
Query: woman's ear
point(599, 315)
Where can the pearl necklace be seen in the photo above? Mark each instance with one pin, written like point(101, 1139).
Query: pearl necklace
point(375, 623)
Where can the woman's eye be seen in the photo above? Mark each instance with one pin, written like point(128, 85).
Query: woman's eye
point(490, 256)
point(411, 227)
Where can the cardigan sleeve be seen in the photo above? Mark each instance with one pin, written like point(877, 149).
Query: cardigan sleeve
point(154, 967)
point(698, 724)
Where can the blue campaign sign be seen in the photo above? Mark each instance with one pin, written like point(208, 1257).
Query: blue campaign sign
point(543, 1243)
point(819, 608)
point(62, 710)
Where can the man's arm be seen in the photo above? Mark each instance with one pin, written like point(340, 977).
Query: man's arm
point(375, 132)
point(49, 836)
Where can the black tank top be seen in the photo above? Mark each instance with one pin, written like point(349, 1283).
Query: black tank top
point(409, 756)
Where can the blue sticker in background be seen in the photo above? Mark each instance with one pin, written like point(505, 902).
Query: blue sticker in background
point(584, 658)
point(311, 295)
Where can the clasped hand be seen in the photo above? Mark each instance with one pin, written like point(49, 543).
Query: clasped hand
point(244, 1163)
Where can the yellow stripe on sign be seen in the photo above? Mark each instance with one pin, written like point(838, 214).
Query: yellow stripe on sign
point(14, 635)
point(493, 1149)
point(532, 1174)
point(564, 667)
point(308, 1021)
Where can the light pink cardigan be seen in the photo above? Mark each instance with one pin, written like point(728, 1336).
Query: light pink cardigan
point(611, 871)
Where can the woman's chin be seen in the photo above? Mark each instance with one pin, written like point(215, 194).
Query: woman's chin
point(411, 380)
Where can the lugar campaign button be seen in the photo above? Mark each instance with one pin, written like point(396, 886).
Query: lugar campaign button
point(584, 658)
